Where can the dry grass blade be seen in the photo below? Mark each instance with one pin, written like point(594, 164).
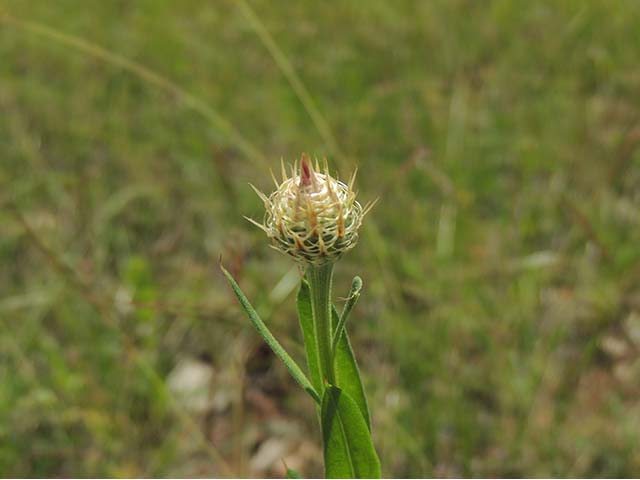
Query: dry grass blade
point(296, 83)
point(217, 121)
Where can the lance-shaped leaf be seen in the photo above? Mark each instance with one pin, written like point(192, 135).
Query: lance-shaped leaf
point(305, 316)
point(268, 337)
point(348, 448)
point(347, 372)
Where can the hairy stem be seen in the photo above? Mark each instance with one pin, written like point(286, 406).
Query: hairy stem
point(320, 279)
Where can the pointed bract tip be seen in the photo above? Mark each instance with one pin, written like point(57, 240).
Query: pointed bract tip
point(257, 224)
point(306, 170)
point(352, 180)
point(260, 194)
point(283, 170)
point(273, 177)
point(369, 206)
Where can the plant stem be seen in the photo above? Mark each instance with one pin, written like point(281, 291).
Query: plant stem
point(320, 279)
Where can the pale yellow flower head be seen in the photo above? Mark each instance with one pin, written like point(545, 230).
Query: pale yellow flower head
point(312, 216)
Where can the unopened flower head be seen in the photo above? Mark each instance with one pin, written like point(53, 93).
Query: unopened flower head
point(312, 216)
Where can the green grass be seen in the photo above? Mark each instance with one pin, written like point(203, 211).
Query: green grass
point(498, 327)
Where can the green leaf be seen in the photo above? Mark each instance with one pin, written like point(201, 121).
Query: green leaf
point(348, 448)
point(268, 337)
point(291, 473)
point(305, 316)
point(348, 374)
point(354, 295)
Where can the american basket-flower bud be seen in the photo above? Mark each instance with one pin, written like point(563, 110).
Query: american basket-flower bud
point(312, 216)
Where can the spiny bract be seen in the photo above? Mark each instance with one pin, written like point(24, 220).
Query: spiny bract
point(312, 216)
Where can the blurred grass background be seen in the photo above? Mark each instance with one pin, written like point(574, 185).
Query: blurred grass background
point(499, 331)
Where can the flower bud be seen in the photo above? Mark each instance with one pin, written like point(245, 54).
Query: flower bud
point(312, 216)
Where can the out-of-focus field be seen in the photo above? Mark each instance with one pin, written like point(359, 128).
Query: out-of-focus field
point(499, 330)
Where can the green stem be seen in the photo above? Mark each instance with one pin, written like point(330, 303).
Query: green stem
point(320, 279)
